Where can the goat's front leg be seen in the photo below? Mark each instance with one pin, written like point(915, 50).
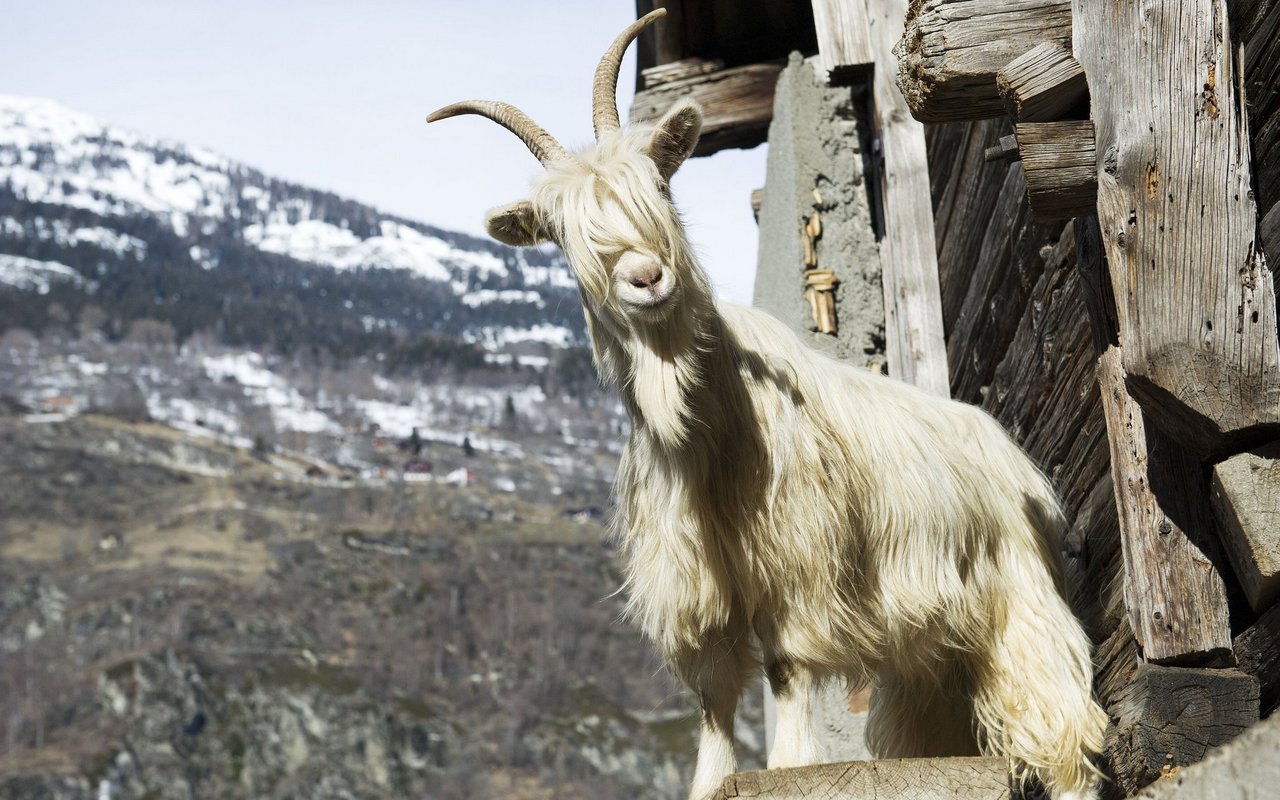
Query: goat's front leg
point(716, 672)
point(795, 743)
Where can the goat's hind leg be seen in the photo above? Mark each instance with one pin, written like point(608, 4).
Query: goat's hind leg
point(716, 672)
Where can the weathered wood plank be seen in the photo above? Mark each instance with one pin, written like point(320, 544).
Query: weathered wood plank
point(887, 779)
point(1176, 600)
point(1044, 84)
point(1258, 653)
point(914, 346)
point(1171, 717)
point(1261, 36)
point(845, 51)
point(1246, 501)
point(951, 51)
point(1060, 166)
point(1269, 233)
point(1195, 299)
point(966, 189)
point(1248, 16)
point(737, 104)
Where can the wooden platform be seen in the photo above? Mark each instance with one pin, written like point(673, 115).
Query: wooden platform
point(888, 779)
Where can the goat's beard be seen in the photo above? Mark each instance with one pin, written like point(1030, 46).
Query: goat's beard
point(663, 372)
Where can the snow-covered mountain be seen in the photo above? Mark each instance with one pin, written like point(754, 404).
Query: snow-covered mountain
point(139, 228)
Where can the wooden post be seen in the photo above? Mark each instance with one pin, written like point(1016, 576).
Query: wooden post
point(845, 52)
point(1195, 299)
point(914, 346)
point(1176, 601)
point(1044, 84)
point(951, 51)
point(1246, 500)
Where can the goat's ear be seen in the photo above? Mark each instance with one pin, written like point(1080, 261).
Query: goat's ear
point(515, 224)
point(675, 136)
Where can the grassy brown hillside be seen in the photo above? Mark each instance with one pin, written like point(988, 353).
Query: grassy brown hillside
point(180, 618)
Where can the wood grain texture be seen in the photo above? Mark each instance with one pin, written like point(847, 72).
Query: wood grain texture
point(845, 51)
point(1060, 166)
point(1172, 716)
point(1258, 653)
point(737, 104)
point(914, 345)
point(1195, 299)
point(1246, 502)
point(886, 779)
point(951, 51)
point(1044, 84)
point(1176, 600)
point(1261, 37)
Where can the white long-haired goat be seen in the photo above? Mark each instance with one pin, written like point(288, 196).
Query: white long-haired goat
point(860, 528)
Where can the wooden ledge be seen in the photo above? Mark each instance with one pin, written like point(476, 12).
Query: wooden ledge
point(905, 779)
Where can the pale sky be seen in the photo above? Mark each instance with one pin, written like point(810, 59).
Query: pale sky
point(334, 95)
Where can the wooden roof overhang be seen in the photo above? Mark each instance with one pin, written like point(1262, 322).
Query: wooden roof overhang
point(727, 55)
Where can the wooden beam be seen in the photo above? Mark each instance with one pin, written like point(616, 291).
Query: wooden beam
point(1044, 84)
point(1170, 717)
point(1195, 298)
point(845, 52)
point(1175, 598)
point(737, 104)
point(915, 349)
point(1258, 653)
point(1062, 176)
point(1246, 501)
point(915, 778)
point(951, 51)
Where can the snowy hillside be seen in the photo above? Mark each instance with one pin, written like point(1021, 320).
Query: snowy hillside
point(87, 211)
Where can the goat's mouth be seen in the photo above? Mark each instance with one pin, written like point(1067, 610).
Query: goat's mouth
point(649, 300)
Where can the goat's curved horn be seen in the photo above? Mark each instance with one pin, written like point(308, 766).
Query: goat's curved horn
point(540, 143)
point(604, 93)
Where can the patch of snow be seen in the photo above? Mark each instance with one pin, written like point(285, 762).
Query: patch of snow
point(27, 273)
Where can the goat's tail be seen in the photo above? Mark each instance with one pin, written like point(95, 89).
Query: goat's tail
point(1034, 702)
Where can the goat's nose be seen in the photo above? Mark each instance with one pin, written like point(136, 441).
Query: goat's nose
point(647, 278)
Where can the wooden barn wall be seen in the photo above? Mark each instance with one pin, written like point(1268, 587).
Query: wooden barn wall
point(1020, 345)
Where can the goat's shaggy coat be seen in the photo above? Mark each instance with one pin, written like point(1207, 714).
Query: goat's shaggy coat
point(779, 508)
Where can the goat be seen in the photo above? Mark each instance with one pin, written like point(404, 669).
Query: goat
point(860, 528)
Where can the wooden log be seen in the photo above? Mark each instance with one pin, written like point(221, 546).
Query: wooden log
point(1246, 501)
point(951, 51)
point(1170, 717)
point(886, 779)
point(1044, 84)
point(737, 104)
point(1175, 598)
point(1061, 169)
point(845, 53)
point(1195, 299)
point(915, 349)
point(678, 70)
point(1258, 653)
